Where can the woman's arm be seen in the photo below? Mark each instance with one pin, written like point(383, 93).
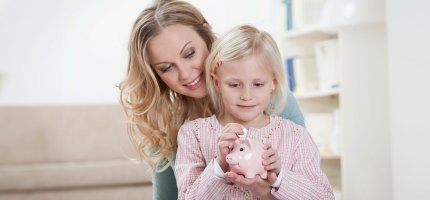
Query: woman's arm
point(164, 185)
point(292, 110)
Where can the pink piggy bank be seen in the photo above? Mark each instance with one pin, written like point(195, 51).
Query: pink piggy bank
point(245, 158)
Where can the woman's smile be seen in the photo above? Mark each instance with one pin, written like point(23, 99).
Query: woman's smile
point(196, 83)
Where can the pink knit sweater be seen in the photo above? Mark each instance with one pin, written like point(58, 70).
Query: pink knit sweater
point(302, 177)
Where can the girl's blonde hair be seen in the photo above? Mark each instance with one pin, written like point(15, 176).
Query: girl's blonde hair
point(244, 41)
point(154, 111)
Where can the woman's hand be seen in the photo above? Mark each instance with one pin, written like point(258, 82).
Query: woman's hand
point(271, 163)
point(257, 186)
point(226, 141)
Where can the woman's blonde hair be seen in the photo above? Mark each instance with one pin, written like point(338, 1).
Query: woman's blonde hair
point(244, 41)
point(154, 111)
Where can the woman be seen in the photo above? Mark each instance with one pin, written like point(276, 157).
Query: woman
point(165, 85)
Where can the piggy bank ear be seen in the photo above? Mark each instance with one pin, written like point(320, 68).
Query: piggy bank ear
point(249, 143)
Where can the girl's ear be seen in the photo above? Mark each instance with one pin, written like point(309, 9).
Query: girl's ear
point(274, 84)
point(215, 81)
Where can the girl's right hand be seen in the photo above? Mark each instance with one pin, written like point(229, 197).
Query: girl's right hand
point(226, 139)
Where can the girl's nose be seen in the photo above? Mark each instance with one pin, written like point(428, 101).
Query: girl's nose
point(246, 95)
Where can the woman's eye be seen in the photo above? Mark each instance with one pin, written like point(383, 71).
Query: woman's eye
point(190, 54)
point(166, 68)
point(241, 149)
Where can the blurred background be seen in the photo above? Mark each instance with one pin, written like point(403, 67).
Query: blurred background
point(358, 69)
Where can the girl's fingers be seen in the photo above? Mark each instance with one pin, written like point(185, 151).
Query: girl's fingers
point(271, 177)
point(269, 160)
point(227, 136)
point(267, 146)
point(225, 145)
point(233, 128)
point(272, 167)
point(268, 153)
point(239, 179)
point(231, 177)
point(272, 162)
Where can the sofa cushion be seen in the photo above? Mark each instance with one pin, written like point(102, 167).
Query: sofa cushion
point(72, 174)
point(66, 147)
point(62, 134)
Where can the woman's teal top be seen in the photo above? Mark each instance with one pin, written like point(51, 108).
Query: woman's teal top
point(164, 183)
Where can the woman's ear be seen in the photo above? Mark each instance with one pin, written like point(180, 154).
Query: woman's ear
point(215, 81)
point(207, 26)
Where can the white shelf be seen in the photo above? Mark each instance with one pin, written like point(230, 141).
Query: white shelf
point(308, 32)
point(337, 193)
point(317, 94)
point(329, 154)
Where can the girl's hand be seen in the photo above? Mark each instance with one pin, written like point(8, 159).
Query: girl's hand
point(257, 186)
point(271, 163)
point(226, 142)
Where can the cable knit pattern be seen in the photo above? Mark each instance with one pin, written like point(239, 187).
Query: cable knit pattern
point(302, 179)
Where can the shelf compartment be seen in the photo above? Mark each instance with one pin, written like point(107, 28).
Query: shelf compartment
point(314, 32)
point(317, 94)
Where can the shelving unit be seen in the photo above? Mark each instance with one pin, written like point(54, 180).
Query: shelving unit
point(360, 31)
point(317, 103)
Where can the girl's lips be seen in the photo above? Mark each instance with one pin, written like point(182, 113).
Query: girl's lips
point(246, 106)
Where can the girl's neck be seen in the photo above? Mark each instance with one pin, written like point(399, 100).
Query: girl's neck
point(260, 122)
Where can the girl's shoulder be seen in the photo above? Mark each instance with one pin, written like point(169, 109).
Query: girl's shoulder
point(286, 122)
point(201, 121)
point(201, 124)
point(289, 126)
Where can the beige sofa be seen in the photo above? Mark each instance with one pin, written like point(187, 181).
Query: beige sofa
point(68, 152)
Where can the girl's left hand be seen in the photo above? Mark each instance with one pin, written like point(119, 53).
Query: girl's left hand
point(271, 161)
point(259, 187)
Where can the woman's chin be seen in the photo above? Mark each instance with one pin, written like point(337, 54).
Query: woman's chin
point(198, 94)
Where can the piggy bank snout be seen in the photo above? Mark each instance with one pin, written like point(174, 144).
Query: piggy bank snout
point(229, 158)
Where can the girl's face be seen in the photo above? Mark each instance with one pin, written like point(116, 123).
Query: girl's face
point(245, 86)
point(178, 56)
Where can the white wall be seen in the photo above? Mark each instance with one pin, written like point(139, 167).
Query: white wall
point(56, 52)
point(409, 60)
point(366, 161)
point(74, 52)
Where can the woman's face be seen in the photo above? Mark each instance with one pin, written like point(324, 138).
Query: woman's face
point(178, 56)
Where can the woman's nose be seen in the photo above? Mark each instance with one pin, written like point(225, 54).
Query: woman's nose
point(184, 72)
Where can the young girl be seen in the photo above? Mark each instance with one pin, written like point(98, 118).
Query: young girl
point(247, 88)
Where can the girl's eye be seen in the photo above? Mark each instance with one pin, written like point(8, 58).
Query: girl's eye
point(241, 149)
point(233, 85)
point(258, 84)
